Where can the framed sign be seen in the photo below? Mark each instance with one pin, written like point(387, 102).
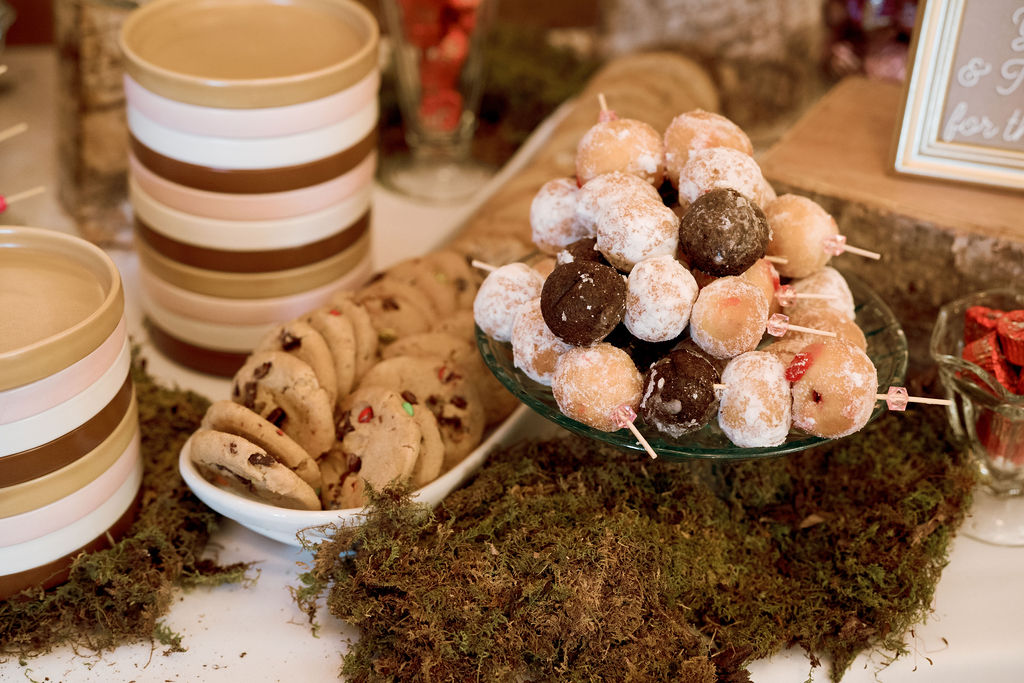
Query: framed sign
point(963, 116)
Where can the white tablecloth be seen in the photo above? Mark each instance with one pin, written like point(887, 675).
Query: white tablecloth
point(256, 633)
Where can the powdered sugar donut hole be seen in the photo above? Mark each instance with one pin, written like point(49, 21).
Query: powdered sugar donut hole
point(710, 169)
point(501, 294)
point(729, 317)
point(799, 228)
point(553, 219)
point(827, 281)
point(591, 382)
point(535, 348)
point(696, 130)
point(754, 409)
point(625, 145)
point(659, 296)
point(635, 229)
point(834, 388)
point(609, 188)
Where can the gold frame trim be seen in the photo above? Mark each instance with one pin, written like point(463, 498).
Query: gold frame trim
point(917, 149)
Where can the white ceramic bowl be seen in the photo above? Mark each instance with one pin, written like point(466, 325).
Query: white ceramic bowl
point(253, 153)
point(284, 525)
point(266, 122)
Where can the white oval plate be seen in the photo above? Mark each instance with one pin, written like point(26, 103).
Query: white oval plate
point(284, 525)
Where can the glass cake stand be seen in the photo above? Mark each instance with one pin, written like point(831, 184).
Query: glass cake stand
point(887, 348)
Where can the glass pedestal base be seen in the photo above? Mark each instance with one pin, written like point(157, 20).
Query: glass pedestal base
point(434, 180)
point(995, 519)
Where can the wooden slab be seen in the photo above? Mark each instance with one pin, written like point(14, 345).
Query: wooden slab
point(841, 148)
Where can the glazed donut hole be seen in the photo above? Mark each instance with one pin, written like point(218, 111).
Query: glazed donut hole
point(591, 382)
point(624, 145)
point(834, 388)
point(799, 228)
point(729, 317)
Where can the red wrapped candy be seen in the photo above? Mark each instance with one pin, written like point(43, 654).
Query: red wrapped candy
point(1011, 336)
point(986, 354)
point(1002, 437)
point(979, 321)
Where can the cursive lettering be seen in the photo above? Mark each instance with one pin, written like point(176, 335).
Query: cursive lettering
point(1018, 18)
point(971, 72)
point(959, 123)
point(1014, 129)
point(1013, 71)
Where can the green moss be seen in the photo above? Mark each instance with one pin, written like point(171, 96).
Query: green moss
point(118, 596)
point(568, 560)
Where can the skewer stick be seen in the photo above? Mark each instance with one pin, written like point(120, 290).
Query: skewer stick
point(777, 259)
point(624, 417)
point(897, 399)
point(606, 113)
point(17, 197)
point(17, 129)
point(787, 295)
point(483, 266)
point(864, 252)
point(835, 245)
point(778, 325)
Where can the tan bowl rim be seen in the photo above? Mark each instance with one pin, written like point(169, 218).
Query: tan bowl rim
point(250, 93)
point(51, 354)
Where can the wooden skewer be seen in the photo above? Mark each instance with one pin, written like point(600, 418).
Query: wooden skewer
point(24, 194)
point(13, 130)
point(808, 330)
point(897, 399)
point(483, 266)
point(863, 252)
point(920, 399)
point(778, 325)
point(777, 259)
point(606, 114)
point(624, 417)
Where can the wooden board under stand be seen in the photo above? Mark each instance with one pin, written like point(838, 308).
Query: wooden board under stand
point(963, 115)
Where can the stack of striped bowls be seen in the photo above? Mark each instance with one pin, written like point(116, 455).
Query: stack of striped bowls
point(253, 134)
point(70, 465)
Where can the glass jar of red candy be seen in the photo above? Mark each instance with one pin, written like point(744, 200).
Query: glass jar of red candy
point(978, 343)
